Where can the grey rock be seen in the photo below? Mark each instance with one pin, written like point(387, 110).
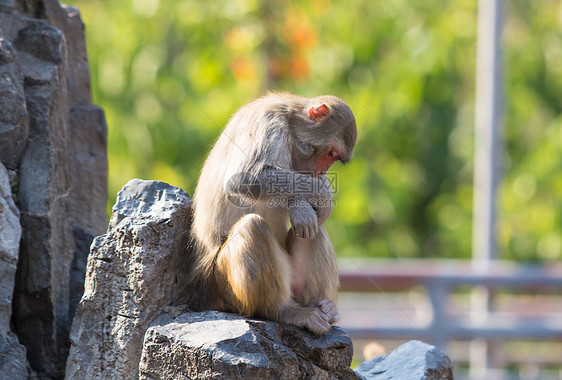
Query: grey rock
point(414, 360)
point(226, 346)
point(136, 269)
point(42, 41)
point(88, 169)
point(87, 148)
point(11, 23)
point(10, 234)
point(13, 362)
point(54, 142)
point(87, 161)
point(6, 6)
point(67, 19)
point(41, 302)
point(14, 121)
point(82, 243)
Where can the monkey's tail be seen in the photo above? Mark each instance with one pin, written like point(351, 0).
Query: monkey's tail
point(204, 259)
point(201, 274)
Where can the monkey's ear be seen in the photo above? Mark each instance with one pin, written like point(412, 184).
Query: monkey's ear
point(318, 113)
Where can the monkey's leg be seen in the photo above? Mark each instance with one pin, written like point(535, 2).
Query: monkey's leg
point(254, 274)
point(315, 278)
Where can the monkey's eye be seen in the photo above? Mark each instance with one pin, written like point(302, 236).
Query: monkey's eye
point(333, 153)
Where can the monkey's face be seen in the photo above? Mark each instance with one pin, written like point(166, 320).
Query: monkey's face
point(326, 159)
point(325, 133)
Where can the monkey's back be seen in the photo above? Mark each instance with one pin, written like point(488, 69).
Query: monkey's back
point(254, 138)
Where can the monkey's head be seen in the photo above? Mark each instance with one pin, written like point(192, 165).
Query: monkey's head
point(323, 132)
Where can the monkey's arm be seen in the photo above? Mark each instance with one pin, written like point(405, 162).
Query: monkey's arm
point(308, 198)
point(277, 183)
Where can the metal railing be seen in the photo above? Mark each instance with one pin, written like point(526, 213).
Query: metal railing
point(441, 278)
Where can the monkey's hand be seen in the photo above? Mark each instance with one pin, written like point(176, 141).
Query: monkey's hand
point(303, 218)
point(321, 199)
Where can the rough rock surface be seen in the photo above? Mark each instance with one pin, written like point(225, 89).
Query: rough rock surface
point(219, 345)
point(13, 363)
point(41, 303)
point(133, 272)
point(414, 360)
point(53, 141)
point(14, 121)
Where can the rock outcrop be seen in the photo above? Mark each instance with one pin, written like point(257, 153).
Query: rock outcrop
point(53, 144)
point(135, 270)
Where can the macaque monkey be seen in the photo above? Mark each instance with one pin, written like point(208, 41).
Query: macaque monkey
point(268, 168)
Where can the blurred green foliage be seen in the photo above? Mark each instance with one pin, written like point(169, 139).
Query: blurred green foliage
point(170, 73)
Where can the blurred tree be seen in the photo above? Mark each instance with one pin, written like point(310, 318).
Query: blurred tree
point(170, 73)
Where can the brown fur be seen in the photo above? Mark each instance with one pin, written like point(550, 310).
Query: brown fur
point(249, 259)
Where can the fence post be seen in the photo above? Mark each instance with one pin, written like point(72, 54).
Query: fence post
point(486, 166)
point(440, 324)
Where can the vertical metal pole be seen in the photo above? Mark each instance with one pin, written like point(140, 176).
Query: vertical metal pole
point(486, 166)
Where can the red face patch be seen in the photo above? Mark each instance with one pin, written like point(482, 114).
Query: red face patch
point(325, 162)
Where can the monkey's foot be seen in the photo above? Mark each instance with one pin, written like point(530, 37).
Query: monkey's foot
point(330, 310)
point(318, 322)
point(311, 318)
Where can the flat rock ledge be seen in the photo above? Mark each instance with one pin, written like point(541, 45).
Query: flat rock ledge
point(216, 345)
point(136, 319)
